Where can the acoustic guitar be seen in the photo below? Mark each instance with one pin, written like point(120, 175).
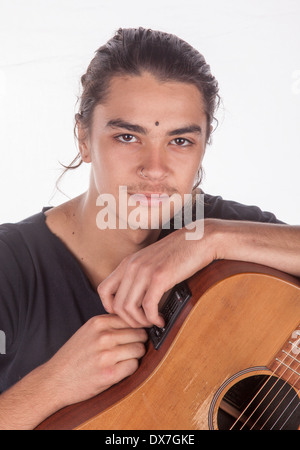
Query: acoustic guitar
point(228, 358)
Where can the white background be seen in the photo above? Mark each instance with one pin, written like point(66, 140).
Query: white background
point(252, 46)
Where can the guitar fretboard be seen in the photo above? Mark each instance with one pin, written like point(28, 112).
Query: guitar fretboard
point(286, 363)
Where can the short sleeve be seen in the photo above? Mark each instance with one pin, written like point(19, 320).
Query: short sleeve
point(215, 207)
point(218, 208)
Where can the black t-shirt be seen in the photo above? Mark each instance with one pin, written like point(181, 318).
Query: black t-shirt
point(45, 295)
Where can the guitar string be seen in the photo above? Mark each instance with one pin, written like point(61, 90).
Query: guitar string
point(287, 367)
point(275, 409)
point(295, 396)
point(292, 387)
point(287, 381)
point(258, 392)
point(289, 415)
point(284, 384)
point(249, 404)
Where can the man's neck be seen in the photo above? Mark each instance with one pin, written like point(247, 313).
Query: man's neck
point(98, 251)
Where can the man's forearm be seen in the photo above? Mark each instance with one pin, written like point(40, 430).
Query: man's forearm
point(272, 245)
point(28, 402)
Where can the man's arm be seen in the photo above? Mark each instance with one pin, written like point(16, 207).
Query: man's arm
point(272, 245)
point(135, 287)
point(101, 353)
point(29, 402)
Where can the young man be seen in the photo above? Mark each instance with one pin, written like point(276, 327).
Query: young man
point(75, 296)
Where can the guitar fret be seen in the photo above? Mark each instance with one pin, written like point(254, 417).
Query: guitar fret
point(296, 349)
point(291, 356)
point(290, 368)
point(286, 362)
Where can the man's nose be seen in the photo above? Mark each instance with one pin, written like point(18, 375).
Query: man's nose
point(155, 164)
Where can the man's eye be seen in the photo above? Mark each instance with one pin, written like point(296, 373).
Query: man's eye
point(126, 138)
point(181, 142)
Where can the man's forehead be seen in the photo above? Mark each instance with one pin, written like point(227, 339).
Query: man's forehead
point(146, 87)
point(148, 104)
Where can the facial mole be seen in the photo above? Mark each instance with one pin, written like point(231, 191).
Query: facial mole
point(157, 123)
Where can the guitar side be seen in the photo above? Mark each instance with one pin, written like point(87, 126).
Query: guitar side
point(239, 316)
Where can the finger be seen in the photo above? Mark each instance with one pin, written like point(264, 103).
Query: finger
point(128, 301)
point(140, 322)
point(108, 322)
point(138, 314)
point(115, 294)
point(122, 362)
point(125, 352)
point(128, 307)
point(119, 371)
point(150, 305)
point(136, 318)
point(107, 289)
point(109, 339)
point(142, 299)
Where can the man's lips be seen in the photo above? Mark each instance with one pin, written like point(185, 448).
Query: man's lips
point(150, 198)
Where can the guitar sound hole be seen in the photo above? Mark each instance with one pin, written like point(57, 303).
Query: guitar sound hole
point(265, 403)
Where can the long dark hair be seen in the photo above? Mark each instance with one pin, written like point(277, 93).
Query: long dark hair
point(134, 50)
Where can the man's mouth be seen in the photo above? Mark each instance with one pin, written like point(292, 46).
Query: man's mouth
point(149, 198)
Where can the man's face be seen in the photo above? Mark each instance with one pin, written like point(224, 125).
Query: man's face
point(146, 125)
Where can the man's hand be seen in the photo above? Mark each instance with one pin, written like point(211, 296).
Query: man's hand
point(101, 353)
point(134, 289)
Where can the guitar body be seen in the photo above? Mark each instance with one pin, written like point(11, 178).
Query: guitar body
point(239, 317)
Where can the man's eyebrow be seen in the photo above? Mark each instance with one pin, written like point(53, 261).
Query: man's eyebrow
point(184, 130)
point(120, 123)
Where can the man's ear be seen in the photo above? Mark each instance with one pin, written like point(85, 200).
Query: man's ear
point(83, 143)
